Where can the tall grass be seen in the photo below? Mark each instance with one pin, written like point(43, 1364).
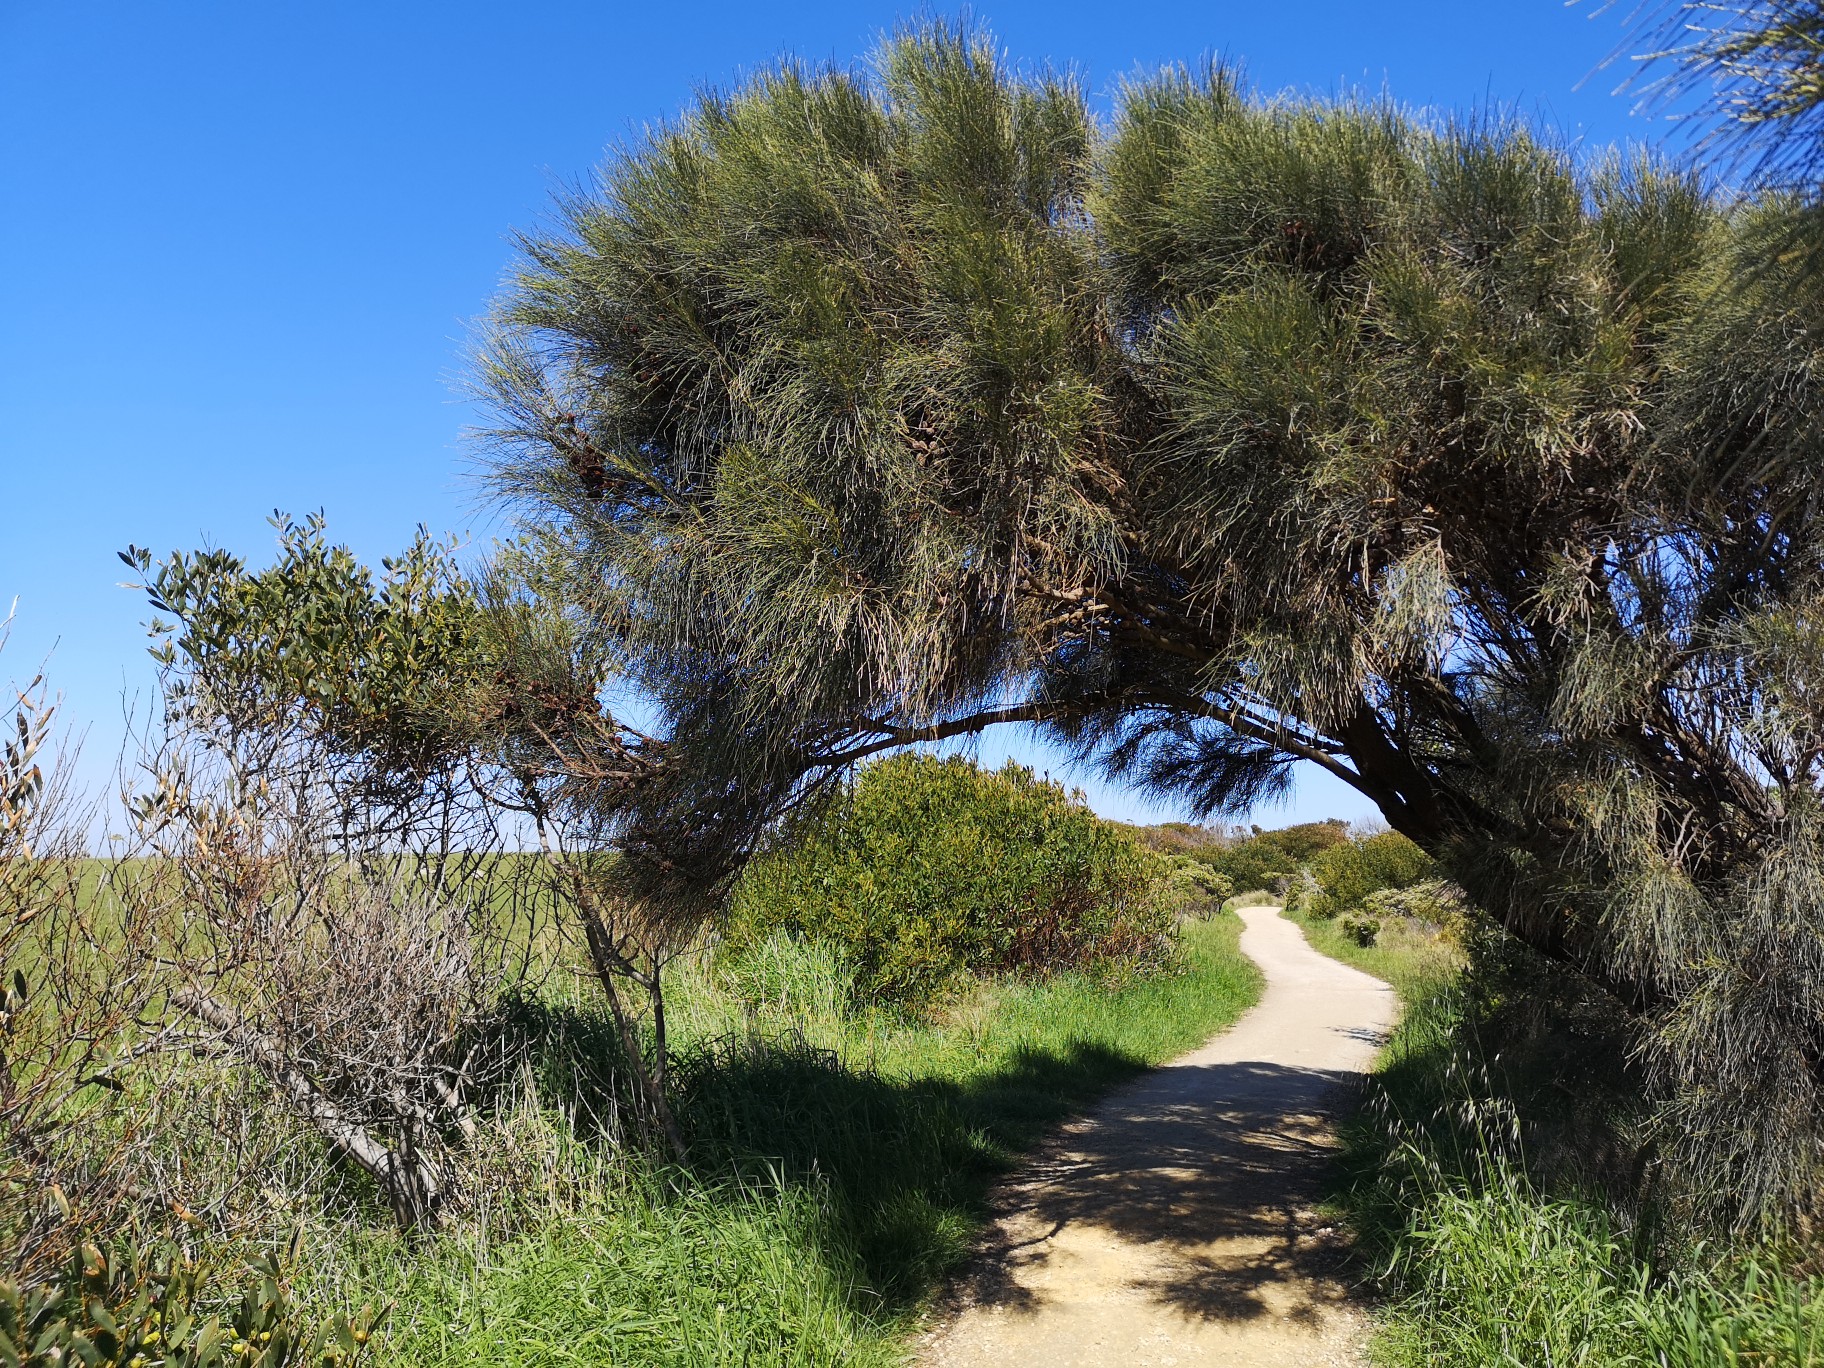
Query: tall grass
point(661, 1274)
point(1414, 958)
point(839, 1165)
point(1495, 1247)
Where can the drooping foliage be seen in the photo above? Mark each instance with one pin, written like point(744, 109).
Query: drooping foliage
point(1746, 79)
point(1755, 66)
point(925, 872)
point(875, 407)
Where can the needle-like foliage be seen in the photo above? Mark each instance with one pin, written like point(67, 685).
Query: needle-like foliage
point(1747, 77)
point(1757, 69)
point(866, 408)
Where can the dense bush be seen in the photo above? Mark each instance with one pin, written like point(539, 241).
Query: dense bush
point(1347, 875)
point(1194, 889)
point(1436, 902)
point(929, 870)
point(1185, 838)
point(1271, 859)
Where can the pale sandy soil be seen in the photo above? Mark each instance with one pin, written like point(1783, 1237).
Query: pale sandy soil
point(1174, 1226)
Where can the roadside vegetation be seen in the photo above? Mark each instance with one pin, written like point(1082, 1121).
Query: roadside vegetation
point(923, 871)
point(426, 1001)
point(185, 1187)
point(839, 1166)
point(1509, 1211)
point(1501, 1175)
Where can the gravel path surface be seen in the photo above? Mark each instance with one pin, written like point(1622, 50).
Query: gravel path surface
point(1174, 1224)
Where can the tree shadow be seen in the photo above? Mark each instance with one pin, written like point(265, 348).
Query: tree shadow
point(1217, 1166)
point(1215, 1171)
point(903, 1169)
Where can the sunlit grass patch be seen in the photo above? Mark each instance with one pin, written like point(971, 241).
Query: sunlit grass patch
point(1414, 957)
point(840, 1160)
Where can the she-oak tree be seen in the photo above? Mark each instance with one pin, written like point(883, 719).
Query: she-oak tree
point(864, 409)
point(858, 410)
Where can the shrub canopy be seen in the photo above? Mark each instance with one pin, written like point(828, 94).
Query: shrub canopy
point(926, 871)
point(1268, 859)
point(1344, 876)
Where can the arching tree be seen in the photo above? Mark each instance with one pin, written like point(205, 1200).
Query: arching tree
point(860, 409)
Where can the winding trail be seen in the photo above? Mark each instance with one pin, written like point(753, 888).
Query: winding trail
point(1173, 1225)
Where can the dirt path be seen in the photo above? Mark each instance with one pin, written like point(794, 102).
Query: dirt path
point(1173, 1225)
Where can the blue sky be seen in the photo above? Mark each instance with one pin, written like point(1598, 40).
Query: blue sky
point(241, 241)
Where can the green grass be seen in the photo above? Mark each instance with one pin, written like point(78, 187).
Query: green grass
point(1489, 1260)
point(688, 1276)
point(839, 1170)
point(1414, 959)
point(1488, 1256)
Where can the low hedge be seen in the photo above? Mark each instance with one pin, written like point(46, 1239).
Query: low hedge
point(1271, 860)
point(1348, 876)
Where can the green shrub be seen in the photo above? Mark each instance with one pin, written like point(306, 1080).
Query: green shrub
point(1494, 1179)
point(1307, 839)
point(1183, 838)
point(1343, 877)
point(1194, 889)
point(125, 1312)
point(1361, 929)
point(1271, 860)
point(1255, 866)
point(1434, 902)
point(927, 871)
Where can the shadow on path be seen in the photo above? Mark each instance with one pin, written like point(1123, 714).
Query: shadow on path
point(1223, 1185)
point(1176, 1223)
